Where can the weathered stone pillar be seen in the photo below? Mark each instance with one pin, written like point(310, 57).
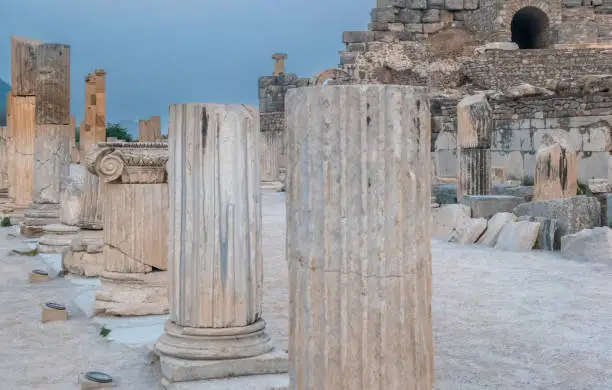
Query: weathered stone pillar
point(270, 148)
point(52, 142)
point(22, 126)
point(216, 272)
point(4, 161)
point(556, 171)
point(474, 129)
point(149, 130)
point(279, 63)
point(358, 221)
point(95, 104)
point(136, 227)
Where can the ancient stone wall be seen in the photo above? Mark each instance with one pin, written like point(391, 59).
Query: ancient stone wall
point(495, 69)
point(567, 21)
point(521, 124)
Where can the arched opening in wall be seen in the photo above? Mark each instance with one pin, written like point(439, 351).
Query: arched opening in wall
point(529, 28)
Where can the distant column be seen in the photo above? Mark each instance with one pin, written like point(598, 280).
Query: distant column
point(358, 220)
point(52, 142)
point(92, 204)
point(216, 273)
point(474, 130)
point(149, 130)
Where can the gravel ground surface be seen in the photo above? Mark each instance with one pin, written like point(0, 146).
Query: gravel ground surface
point(501, 321)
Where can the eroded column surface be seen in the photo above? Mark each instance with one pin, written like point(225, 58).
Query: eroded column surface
point(474, 172)
point(215, 260)
point(52, 136)
point(270, 148)
point(135, 227)
point(358, 220)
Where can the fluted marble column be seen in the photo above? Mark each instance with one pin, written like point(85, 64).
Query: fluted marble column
point(215, 259)
point(358, 221)
point(474, 172)
point(52, 141)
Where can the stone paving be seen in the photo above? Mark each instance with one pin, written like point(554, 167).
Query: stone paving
point(501, 320)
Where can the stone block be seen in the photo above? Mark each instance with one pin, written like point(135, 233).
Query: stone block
point(548, 233)
point(592, 165)
point(485, 206)
point(409, 16)
point(431, 16)
point(469, 232)
point(518, 236)
point(416, 4)
point(454, 5)
point(494, 227)
point(447, 220)
point(574, 213)
point(183, 370)
point(357, 36)
point(589, 245)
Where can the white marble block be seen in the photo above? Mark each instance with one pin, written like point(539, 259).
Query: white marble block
point(358, 237)
point(215, 259)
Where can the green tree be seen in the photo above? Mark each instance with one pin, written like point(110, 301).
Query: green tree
point(116, 131)
point(77, 135)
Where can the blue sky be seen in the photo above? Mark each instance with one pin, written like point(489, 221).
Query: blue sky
point(158, 52)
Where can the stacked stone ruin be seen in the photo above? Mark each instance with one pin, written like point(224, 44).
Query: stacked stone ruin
point(149, 130)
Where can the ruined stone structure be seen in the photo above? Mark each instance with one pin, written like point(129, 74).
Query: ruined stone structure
point(272, 91)
point(136, 207)
point(93, 131)
point(52, 136)
point(21, 120)
point(541, 63)
point(149, 130)
point(364, 193)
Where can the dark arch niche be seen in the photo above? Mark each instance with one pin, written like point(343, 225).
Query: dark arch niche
point(530, 28)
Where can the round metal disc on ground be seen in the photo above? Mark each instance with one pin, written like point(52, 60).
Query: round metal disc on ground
point(98, 377)
point(40, 272)
point(56, 306)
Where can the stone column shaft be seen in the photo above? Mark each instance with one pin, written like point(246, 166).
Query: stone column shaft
point(93, 204)
point(474, 130)
point(22, 130)
point(270, 148)
point(215, 258)
point(474, 172)
point(52, 141)
point(358, 244)
point(4, 160)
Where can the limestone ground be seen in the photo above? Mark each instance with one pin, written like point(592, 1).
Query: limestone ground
point(501, 321)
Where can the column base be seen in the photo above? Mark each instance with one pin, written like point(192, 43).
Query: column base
point(57, 238)
point(129, 294)
point(175, 370)
point(37, 217)
point(190, 354)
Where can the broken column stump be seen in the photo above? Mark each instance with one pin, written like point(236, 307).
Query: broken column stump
point(52, 141)
point(474, 129)
point(136, 227)
point(215, 328)
point(556, 172)
point(358, 237)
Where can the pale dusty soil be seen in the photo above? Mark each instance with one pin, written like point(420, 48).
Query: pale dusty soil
point(501, 321)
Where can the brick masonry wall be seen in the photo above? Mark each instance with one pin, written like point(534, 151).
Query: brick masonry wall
point(520, 124)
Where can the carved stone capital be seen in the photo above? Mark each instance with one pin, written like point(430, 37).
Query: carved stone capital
point(129, 162)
